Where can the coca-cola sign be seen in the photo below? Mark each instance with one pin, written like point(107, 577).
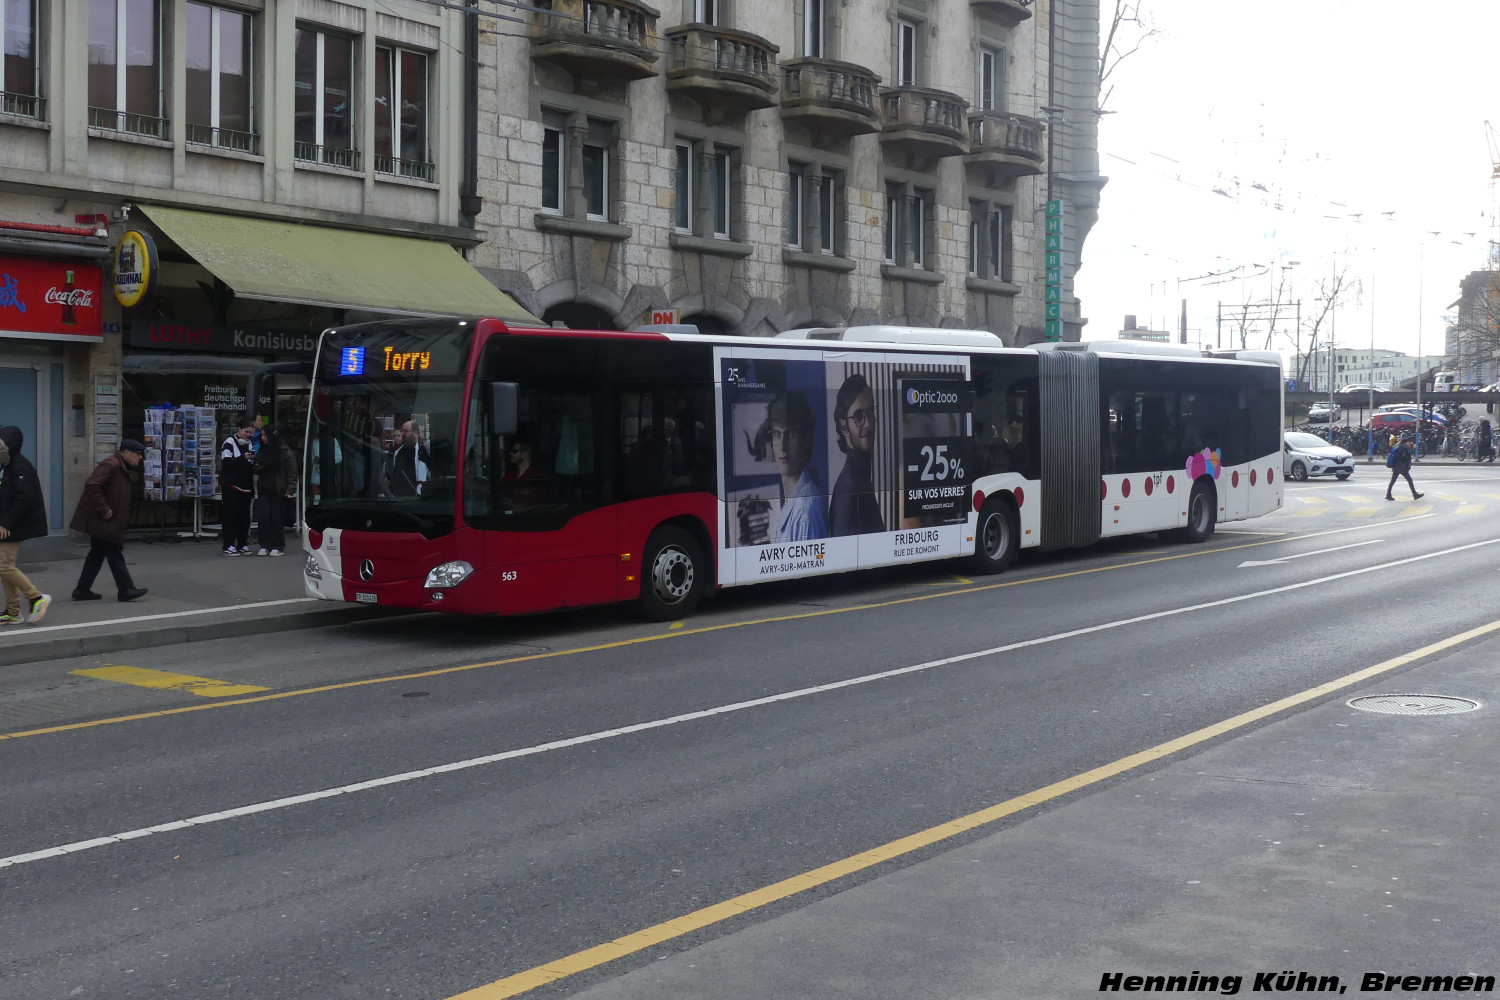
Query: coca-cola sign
point(46, 299)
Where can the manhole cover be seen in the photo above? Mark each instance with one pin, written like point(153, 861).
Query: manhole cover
point(1413, 704)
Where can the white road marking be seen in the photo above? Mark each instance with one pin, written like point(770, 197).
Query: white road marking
point(707, 713)
point(1304, 555)
point(39, 629)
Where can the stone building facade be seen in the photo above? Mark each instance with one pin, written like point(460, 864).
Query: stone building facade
point(759, 166)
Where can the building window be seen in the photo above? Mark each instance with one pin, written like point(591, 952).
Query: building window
point(720, 179)
point(796, 179)
point(683, 183)
point(596, 174)
point(989, 80)
point(990, 240)
point(908, 52)
point(909, 220)
point(323, 110)
point(401, 146)
point(20, 75)
point(828, 189)
point(219, 92)
point(552, 161)
point(814, 30)
point(125, 67)
point(706, 11)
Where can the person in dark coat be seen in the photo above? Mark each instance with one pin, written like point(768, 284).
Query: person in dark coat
point(23, 515)
point(237, 486)
point(103, 514)
point(275, 484)
point(1399, 462)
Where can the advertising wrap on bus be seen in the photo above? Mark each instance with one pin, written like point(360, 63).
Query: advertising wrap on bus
point(839, 461)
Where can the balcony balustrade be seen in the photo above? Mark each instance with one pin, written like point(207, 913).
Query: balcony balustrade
point(722, 69)
point(923, 123)
point(1003, 146)
point(600, 39)
point(830, 98)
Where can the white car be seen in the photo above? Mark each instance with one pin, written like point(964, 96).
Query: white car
point(1309, 455)
point(1323, 412)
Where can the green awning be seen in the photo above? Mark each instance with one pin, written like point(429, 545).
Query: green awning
point(318, 266)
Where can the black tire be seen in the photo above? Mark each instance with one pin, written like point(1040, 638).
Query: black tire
point(1299, 472)
point(1343, 475)
point(1202, 514)
point(997, 537)
point(672, 575)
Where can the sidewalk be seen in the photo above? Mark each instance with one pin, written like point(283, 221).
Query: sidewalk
point(195, 592)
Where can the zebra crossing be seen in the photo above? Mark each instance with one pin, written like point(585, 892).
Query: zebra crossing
point(1364, 505)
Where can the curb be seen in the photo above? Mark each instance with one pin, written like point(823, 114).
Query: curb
point(65, 646)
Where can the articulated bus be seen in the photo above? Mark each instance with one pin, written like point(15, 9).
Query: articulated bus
point(480, 468)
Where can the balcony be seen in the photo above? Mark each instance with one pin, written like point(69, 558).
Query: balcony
point(1008, 12)
point(599, 39)
point(22, 105)
point(830, 98)
point(923, 124)
point(722, 69)
point(1003, 147)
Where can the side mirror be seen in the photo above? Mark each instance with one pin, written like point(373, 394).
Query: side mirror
point(503, 407)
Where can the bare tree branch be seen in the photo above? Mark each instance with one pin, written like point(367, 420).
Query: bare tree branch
point(1128, 31)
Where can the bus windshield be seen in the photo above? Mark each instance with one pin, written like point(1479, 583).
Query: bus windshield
point(381, 450)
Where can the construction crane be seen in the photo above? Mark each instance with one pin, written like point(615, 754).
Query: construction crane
point(1489, 133)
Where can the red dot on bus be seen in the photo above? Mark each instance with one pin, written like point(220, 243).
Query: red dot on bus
point(1171, 484)
point(1252, 477)
point(1103, 488)
point(1020, 496)
point(1270, 476)
point(978, 499)
point(1234, 480)
point(1124, 487)
point(1148, 486)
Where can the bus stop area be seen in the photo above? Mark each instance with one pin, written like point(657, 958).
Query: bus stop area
point(193, 592)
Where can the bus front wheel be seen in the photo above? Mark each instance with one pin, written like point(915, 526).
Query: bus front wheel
point(997, 538)
point(673, 580)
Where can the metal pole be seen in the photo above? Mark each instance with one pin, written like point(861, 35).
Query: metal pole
point(1370, 445)
point(1417, 455)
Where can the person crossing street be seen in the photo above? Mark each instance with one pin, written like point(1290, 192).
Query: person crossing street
point(1399, 462)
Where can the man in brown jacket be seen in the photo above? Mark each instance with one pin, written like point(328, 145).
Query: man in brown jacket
point(103, 514)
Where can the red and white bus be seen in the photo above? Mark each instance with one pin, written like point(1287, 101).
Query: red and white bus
point(481, 468)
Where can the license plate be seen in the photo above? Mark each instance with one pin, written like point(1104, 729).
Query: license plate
point(367, 598)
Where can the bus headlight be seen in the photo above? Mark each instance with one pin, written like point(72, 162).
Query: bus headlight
point(449, 574)
point(311, 570)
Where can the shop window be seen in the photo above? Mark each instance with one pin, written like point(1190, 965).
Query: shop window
point(20, 81)
point(323, 107)
point(125, 79)
point(220, 108)
point(401, 106)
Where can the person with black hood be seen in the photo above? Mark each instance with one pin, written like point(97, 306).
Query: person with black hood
point(103, 514)
point(275, 484)
point(23, 515)
point(237, 481)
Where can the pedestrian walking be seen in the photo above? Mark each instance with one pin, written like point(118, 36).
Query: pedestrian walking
point(23, 515)
point(275, 484)
point(1399, 462)
point(237, 485)
point(1486, 443)
point(103, 514)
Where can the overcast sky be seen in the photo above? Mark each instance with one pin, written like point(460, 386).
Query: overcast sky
point(1330, 133)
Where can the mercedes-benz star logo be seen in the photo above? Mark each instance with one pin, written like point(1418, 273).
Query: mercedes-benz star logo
point(366, 570)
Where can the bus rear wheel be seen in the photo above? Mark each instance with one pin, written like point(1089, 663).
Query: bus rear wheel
point(997, 538)
point(1201, 515)
point(673, 580)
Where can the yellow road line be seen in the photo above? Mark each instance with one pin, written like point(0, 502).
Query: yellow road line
point(598, 955)
point(1471, 508)
point(1415, 508)
point(1363, 512)
point(204, 687)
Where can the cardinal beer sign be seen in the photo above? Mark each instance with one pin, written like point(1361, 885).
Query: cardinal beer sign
point(134, 268)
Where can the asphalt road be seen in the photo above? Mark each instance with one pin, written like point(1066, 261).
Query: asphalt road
point(596, 775)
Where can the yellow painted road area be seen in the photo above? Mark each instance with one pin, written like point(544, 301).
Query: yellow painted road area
point(203, 687)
